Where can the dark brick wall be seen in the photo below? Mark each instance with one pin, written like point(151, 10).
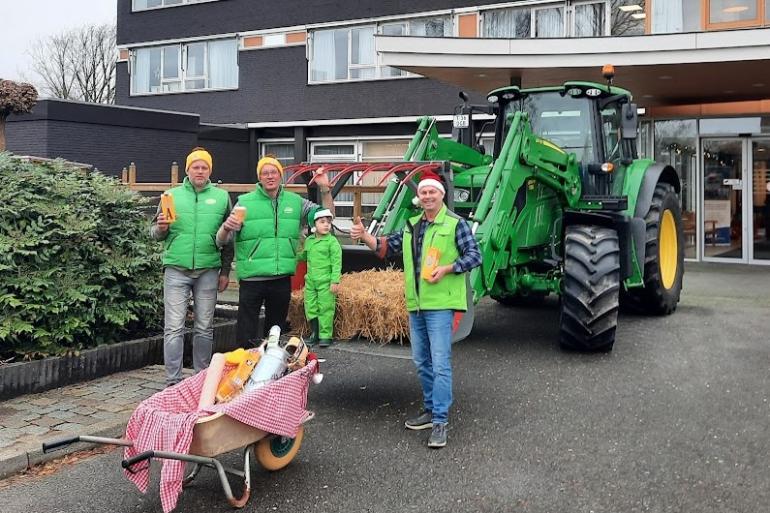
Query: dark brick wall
point(27, 138)
point(273, 87)
point(229, 148)
point(226, 16)
point(107, 137)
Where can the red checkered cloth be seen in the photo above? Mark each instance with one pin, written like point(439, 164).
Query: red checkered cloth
point(165, 422)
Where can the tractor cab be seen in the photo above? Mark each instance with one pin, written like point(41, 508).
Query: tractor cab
point(595, 122)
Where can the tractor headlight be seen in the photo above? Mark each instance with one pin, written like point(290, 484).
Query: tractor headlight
point(462, 195)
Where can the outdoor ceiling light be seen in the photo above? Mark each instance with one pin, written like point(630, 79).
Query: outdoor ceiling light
point(735, 9)
point(630, 8)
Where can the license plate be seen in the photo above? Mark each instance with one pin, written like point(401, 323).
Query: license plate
point(460, 121)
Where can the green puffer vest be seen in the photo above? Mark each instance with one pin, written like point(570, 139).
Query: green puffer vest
point(267, 243)
point(449, 292)
point(190, 242)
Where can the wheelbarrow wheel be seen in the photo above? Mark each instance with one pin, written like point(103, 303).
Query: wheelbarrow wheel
point(275, 452)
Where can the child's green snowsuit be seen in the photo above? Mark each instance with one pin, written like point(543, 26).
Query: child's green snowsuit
point(324, 266)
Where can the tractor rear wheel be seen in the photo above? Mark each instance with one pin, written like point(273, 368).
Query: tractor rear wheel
point(591, 287)
point(664, 256)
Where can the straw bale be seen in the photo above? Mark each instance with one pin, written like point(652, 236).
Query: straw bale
point(370, 305)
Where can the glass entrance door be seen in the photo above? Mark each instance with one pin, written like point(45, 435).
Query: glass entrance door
point(723, 167)
point(760, 201)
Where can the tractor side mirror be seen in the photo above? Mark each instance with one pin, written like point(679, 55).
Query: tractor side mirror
point(629, 121)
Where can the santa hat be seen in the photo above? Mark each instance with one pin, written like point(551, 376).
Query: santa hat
point(318, 214)
point(431, 180)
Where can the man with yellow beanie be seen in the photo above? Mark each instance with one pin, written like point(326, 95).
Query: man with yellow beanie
point(266, 241)
point(192, 261)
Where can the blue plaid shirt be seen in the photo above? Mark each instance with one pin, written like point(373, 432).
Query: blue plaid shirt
point(469, 258)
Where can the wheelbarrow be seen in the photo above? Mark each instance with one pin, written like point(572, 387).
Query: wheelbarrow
point(213, 436)
point(216, 433)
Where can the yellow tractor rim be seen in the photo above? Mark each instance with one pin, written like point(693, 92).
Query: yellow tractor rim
point(668, 249)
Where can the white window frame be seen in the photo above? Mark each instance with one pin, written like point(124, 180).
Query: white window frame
point(375, 65)
point(568, 6)
point(182, 76)
point(378, 66)
point(176, 80)
point(183, 3)
point(205, 76)
point(352, 158)
point(607, 17)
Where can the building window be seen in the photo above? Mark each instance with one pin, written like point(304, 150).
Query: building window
point(336, 152)
point(508, 23)
point(628, 17)
point(282, 151)
point(676, 144)
point(378, 151)
point(734, 13)
point(142, 5)
point(185, 67)
point(562, 19)
point(675, 16)
point(348, 53)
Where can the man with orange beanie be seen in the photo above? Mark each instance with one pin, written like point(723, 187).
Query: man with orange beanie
point(192, 261)
point(267, 237)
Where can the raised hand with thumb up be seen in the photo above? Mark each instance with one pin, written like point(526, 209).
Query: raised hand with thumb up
point(357, 230)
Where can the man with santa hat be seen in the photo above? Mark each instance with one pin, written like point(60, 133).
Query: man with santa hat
point(438, 248)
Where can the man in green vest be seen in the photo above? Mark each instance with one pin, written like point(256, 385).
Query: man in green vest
point(438, 248)
point(192, 261)
point(267, 238)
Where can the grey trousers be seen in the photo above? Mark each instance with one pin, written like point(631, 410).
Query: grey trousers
point(176, 296)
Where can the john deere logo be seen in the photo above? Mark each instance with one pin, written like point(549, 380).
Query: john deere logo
point(211, 201)
point(288, 210)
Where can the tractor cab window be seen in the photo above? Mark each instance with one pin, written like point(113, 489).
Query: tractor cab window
point(611, 133)
point(563, 120)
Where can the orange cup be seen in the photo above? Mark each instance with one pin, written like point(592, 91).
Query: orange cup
point(431, 262)
point(240, 213)
point(167, 207)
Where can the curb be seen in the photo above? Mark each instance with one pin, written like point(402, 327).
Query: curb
point(33, 454)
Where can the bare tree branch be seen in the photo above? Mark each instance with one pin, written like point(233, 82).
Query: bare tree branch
point(78, 64)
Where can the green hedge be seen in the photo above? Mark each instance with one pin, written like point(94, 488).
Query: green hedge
point(77, 265)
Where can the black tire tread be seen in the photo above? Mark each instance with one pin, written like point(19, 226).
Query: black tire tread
point(654, 298)
point(591, 287)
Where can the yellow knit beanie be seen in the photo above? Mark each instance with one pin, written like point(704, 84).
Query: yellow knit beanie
point(199, 154)
point(269, 161)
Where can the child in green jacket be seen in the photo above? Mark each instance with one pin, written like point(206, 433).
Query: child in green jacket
point(323, 254)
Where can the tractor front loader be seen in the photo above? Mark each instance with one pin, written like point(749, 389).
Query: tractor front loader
point(562, 206)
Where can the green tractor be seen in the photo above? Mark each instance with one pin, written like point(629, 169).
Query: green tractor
point(563, 206)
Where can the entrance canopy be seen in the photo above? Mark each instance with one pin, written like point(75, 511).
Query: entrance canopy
point(670, 69)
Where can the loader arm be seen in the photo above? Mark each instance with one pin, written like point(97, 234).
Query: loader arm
point(396, 205)
point(523, 157)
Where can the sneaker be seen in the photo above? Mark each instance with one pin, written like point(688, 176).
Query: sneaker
point(423, 421)
point(437, 438)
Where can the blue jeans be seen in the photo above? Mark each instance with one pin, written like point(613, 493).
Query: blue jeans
point(431, 340)
point(177, 287)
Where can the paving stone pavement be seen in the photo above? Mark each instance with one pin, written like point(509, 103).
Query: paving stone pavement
point(100, 407)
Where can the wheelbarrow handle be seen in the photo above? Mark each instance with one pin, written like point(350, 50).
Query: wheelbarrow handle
point(58, 444)
point(130, 462)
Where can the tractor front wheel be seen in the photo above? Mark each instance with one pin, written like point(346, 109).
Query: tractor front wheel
point(664, 256)
point(591, 288)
